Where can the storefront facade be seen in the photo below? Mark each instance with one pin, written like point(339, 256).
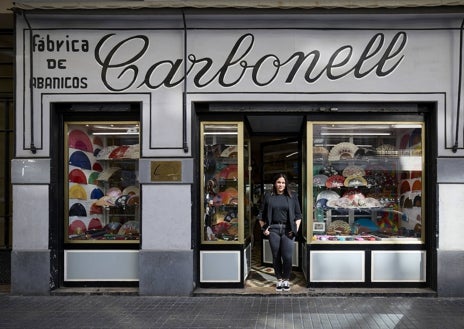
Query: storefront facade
point(135, 133)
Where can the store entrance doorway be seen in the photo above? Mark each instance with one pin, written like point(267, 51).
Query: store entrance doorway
point(241, 153)
point(276, 147)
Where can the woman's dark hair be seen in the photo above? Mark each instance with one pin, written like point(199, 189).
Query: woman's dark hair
point(274, 180)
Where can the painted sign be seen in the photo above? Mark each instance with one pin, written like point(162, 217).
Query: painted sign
point(129, 63)
point(345, 64)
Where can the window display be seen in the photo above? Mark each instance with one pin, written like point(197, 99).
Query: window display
point(223, 183)
point(367, 182)
point(102, 193)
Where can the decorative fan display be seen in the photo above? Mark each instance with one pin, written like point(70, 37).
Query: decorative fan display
point(96, 193)
point(386, 149)
point(93, 177)
point(335, 181)
point(80, 140)
point(405, 187)
point(342, 151)
point(353, 171)
point(230, 152)
point(320, 150)
point(339, 226)
point(131, 190)
point(77, 176)
point(355, 181)
point(77, 209)
point(80, 159)
point(95, 224)
point(76, 227)
point(77, 192)
point(329, 195)
point(417, 186)
point(356, 202)
point(320, 180)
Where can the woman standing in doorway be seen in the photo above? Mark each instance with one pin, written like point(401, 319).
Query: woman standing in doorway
point(280, 221)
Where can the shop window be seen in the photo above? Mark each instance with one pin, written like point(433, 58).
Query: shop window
point(367, 182)
point(102, 198)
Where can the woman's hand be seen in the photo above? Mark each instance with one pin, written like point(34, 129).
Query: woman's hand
point(266, 232)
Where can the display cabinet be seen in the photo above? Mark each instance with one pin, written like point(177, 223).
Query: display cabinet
point(366, 182)
point(225, 184)
point(366, 223)
point(225, 255)
point(102, 190)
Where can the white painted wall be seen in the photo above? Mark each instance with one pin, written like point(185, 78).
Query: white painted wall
point(30, 217)
point(167, 217)
point(428, 65)
point(451, 199)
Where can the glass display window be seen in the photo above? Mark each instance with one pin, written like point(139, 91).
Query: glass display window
point(365, 182)
point(102, 196)
point(225, 183)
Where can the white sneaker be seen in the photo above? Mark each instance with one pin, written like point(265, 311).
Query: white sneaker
point(286, 286)
point(279, 285)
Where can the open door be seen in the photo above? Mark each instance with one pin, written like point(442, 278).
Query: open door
point(281, 156)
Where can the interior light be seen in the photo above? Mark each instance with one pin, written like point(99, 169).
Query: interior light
point(114, 133)
point(406, 126)
point(348, 133)
point(291, 154)
point(220, 133)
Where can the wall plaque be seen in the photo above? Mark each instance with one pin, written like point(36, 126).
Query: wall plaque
point(166, 171)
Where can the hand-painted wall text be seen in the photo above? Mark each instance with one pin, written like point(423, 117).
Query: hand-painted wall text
point(125, 63)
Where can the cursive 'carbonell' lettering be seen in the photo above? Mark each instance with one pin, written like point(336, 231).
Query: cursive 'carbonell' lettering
point(121, 72)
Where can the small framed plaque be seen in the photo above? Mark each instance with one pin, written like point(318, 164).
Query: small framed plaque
point(318, 227)
point(166, 171)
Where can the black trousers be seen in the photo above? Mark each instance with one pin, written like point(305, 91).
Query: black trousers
point(282, 250)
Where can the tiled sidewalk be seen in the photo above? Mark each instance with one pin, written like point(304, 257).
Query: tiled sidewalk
point(91, 311)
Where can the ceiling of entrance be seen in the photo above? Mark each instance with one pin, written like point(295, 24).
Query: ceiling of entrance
point(276, 124)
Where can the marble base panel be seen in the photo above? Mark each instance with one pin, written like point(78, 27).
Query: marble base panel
point(166, 273)
point(30, 272)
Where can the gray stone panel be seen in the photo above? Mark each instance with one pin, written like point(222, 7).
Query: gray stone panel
point(449, 170)
point(166, 273)
point(30, 272)
point(30, 171)
point(450, 273)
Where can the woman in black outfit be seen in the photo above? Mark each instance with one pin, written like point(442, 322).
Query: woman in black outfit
point(280, 221)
